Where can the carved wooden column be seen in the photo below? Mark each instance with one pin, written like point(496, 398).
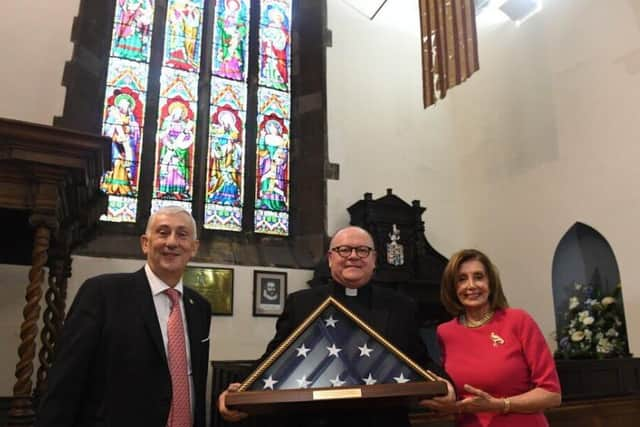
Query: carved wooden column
point(54, 312)
point(21, 410)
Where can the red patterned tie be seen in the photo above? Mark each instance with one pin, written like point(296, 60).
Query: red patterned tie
point(180, 413)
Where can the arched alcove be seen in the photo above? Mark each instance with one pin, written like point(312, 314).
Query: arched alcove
point(585, 267)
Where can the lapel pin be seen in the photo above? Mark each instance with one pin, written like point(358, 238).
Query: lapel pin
point(190, 301)
point(497, 339)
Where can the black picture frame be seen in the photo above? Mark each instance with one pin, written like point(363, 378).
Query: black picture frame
point(213, 283)
point(269, 292)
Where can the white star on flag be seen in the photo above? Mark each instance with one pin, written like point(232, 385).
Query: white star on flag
point(303, 383)
point(365, 351)
point(369, 380)
point(337, 382)
point(401, 379)
point(330, 321)
point(333, 350)
point(302, 351)
point(269, 383)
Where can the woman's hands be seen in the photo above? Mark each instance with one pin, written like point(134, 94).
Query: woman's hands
point(480, 401)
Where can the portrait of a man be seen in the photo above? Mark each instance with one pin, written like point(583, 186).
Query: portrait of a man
point(270, 291)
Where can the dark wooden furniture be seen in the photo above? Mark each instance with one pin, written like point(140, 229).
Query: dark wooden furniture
point(50, 177)
point(592, 379)
point(422, 266)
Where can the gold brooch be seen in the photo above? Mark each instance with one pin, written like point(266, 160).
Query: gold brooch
point(497, 339)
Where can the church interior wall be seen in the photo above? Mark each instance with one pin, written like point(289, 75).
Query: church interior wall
point(549, 137)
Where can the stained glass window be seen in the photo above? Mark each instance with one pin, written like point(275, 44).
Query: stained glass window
point(272, 144)
point(124, 105)
point(215, 81)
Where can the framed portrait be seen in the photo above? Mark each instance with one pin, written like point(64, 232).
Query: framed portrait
point(269, 292)
point(215, 284)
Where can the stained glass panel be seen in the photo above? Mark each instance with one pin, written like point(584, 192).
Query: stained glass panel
point(272, 163)
point(177, 107)
point(274, 102)
point(269, 222)
point(272, 171)
point(275, 43)
point(182, 35)
point(131, 36)
point(175, 140)
point(223, 209)
point(124, 105)
point(231, 39)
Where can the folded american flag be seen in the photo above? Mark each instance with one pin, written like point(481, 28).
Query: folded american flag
point(333, 348)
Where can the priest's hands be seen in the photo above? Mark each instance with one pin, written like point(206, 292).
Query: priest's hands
point(227, 413)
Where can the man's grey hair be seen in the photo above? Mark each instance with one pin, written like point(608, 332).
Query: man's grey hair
point(173, 210)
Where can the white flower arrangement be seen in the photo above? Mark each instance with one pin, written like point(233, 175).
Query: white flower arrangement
point(594, 326)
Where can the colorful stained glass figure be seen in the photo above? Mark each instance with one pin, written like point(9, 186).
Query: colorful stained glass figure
point(175, 137)
point(131, 37)
point(226, 155)
point(230, 40)
point(272, 173)
point(175, 145)
point(123, 115)
point(272, 162)
point(123, 123)
point(275, 43)
point(183, 34)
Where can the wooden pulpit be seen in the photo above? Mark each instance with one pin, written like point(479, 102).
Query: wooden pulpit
point(51, 175)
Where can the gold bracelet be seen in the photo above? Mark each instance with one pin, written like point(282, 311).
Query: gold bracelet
point(507, 405)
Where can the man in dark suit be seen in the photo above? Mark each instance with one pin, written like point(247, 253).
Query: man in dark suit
point(351, 258)
point(134, 349)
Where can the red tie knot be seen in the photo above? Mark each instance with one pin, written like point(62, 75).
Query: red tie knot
point(173, 295)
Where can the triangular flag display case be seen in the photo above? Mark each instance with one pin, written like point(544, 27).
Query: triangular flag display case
point(334, 359)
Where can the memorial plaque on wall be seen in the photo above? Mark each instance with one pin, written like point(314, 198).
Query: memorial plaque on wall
point(334, 360)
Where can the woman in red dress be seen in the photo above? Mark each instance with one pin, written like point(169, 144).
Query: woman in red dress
point(499, 361)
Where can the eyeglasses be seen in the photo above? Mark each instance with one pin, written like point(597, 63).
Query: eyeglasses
point(346, 251)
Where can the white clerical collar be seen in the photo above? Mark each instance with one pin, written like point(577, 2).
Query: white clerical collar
point(158, 285)
point(351, 292)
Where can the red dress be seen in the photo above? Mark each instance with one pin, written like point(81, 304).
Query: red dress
point(505, 357)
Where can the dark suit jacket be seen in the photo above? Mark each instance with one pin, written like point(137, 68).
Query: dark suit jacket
point(111, 366)
point(391, 314)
